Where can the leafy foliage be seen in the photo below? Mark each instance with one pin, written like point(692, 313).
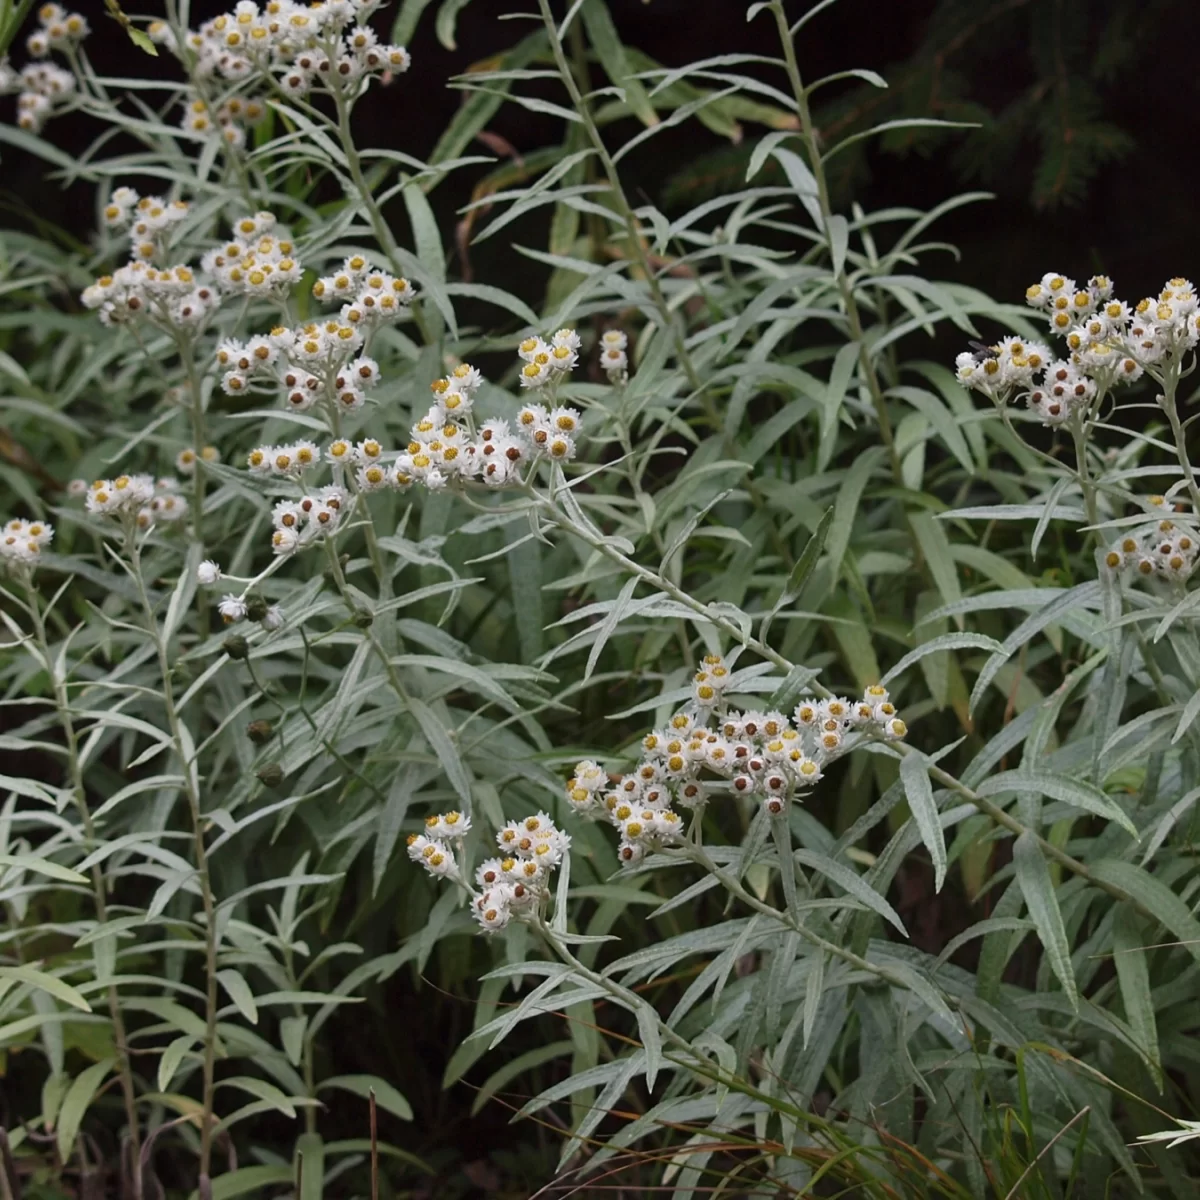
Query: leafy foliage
point(211, 928)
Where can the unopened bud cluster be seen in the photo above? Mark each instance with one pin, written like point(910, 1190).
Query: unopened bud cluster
point(22, 541)
point(709, 749)
point(41, 85)
point(1107, 343)
point(298, 48)
point(1166, 549)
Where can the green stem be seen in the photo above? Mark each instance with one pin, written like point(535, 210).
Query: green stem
point(735, 633)
point(637, 246)
point(381, 229)
point(381, 653)
point(1170, 385)
point(808, 131)
point(191, 789)
point(62, 705)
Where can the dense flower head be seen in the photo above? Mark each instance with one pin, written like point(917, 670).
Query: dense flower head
point(1106, 342)
point(140, 498)
point(513, 884)
point(22, 540)
point(41, 85)
point(1164, 547)
point(258, 260)
point(326, 46)
point(546, 363)
point(709, 748)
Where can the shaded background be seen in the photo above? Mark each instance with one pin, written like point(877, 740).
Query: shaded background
point(1086, 130)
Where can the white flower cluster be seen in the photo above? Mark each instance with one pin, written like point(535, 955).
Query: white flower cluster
point(447, 444)
point(314, 513)
point(513, 885)
point(432, 848)
point(185, 460)
point(613, 357)
point(168, 295)
point(517, 883)
point(149, 220)
point(321, 360)
point(299, 47)
point(142, 499)
point(1165, 550)
point(372, 296)
point(60, 30)
point(171, 295)
point(547, 363)
point(40, 84)
point(759, 754)
point(258, 261)
point(1106, 343)
point(23, 541)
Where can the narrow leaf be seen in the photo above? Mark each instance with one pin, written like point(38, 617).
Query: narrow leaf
point(1033, 877)
point(919, 793)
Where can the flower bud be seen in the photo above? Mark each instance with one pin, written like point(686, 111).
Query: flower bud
point(260, 732)
point(236, 646)
point(256, 608)
point(363, 619)
point(270, 774)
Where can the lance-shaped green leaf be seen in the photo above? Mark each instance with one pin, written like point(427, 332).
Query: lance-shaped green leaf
point(1133, 976)
point(1033, 878)
point(918, 791)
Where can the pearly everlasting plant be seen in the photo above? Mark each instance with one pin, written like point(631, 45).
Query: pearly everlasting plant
point(666, 615)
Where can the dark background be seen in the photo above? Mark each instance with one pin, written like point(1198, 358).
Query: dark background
point(1088, 124)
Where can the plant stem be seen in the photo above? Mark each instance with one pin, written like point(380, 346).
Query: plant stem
point(381, 229)
point(1170, 385)
point(809, 133)
point(636, 242)
point(1000, 816)
point(191, 787)
point(637, 247)
point(62, 705)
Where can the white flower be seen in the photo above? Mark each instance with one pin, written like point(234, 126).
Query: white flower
point(287, 514)
point(531, 347)
point(363, 371)
point(567, 338)
point(208, 572)
point(614, 362)
point(492, 909)
point(434, 855)
point(284, 540)
point(368, 451)
point(373, 477)
point(466, 378)
point(232, 609)
point(273, 619)
point(452, 824)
